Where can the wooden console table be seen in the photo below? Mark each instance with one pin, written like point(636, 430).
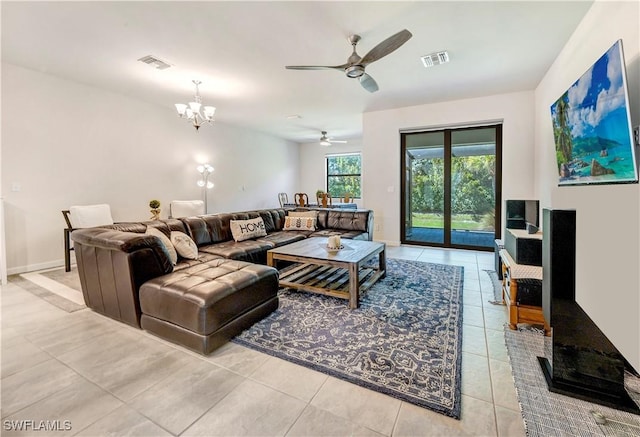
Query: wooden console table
point(511, 272)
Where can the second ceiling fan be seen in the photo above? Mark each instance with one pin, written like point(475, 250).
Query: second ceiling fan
point(326, 141)
point(355, 65)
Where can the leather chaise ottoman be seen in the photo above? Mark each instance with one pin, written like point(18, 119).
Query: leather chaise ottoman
point(203, 306)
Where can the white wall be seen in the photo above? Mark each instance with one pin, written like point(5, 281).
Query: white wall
point(68, 144)
point(312, 166)
point(381, 149)
point(608, 216)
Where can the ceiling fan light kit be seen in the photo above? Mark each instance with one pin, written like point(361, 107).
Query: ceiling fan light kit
point(355, 66)
point(191, 112)
point(326, 141)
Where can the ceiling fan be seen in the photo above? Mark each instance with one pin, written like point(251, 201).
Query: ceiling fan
point(355, 65)
point(326, 141)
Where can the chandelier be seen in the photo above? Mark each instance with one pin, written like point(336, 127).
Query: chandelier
point(191, 112)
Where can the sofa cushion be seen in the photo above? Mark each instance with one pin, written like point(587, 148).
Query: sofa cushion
point(184, 245)
point(353, 235)
point(347, 220)
point(247, 250)
point(203, 257)
point(206, 296)
point(247, 229)
point(280, 238)
point(173, 255)
point(300, 224)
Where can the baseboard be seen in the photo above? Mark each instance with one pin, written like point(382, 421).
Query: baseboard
point(36, 267)
point(388, 242)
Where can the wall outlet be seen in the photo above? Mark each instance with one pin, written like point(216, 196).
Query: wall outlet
point(390, 189)
point(16, 187)
point(636, 136)
point(376, 227)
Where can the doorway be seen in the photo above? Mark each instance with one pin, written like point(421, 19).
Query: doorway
point(451, 189)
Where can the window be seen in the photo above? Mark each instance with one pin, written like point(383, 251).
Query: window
point(344, 175)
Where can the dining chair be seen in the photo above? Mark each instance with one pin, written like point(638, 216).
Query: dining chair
point(283, 199)
point(186, 208)
point(301, 199)
point(82, 216)
point(322, 202)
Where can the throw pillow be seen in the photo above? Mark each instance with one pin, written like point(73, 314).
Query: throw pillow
point(166, 242)
point(246, 229)
point(184, 245)
point(299, 224)
point(313, 214)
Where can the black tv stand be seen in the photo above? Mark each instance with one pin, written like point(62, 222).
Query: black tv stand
point(581, 361)
point(621, 402)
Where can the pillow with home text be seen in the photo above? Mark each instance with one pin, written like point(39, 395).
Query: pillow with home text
point(246, 229)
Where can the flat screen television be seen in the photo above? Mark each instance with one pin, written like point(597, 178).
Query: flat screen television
point(592, 126)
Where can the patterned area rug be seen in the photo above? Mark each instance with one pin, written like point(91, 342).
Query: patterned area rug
point(497, 288)
point(551, 414)
point(405, 339)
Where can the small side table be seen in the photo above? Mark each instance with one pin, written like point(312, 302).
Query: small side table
point(511, 272)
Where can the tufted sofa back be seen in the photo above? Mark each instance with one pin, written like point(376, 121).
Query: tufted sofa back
point(216, 228)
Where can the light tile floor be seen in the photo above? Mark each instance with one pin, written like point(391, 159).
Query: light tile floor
point(106, 378)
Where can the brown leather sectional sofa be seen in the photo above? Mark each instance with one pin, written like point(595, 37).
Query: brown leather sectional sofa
point(127, 275)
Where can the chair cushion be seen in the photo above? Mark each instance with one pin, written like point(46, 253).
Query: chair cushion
point(88, 216)
point(186, 208)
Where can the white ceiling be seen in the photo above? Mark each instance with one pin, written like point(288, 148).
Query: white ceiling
point(239, 50)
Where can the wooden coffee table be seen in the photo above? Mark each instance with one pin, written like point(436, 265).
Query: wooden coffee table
point(339, 273)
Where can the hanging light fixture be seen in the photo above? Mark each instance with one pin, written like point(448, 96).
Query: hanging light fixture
point(205, 170)
point(192, 111)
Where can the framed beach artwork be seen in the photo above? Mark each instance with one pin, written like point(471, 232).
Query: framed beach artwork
point(592, 126)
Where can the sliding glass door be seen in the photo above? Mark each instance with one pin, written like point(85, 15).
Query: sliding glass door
point(451, 187)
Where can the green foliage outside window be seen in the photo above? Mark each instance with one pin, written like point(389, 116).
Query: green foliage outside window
point(344, 175)
point(472, 185)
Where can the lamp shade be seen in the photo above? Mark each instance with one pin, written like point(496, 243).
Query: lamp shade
point(181, 108)
point(209, 112)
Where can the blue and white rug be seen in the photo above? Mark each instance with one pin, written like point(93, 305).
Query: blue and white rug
point(404, 340)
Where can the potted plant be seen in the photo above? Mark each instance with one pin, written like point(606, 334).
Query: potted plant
point(155, 209)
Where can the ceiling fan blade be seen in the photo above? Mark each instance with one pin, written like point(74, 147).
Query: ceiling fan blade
point(387, 46)
point(316, 67)
point(338, 141)
point(368, 83)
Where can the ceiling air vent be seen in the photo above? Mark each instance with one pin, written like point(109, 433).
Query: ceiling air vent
point(436, 58)
point(155, 62)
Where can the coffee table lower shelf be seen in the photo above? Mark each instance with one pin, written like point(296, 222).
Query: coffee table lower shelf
point(327, 280)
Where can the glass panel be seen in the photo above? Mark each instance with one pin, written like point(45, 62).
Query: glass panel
point(424, 221)
point(343, 175)
point(473, 163)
